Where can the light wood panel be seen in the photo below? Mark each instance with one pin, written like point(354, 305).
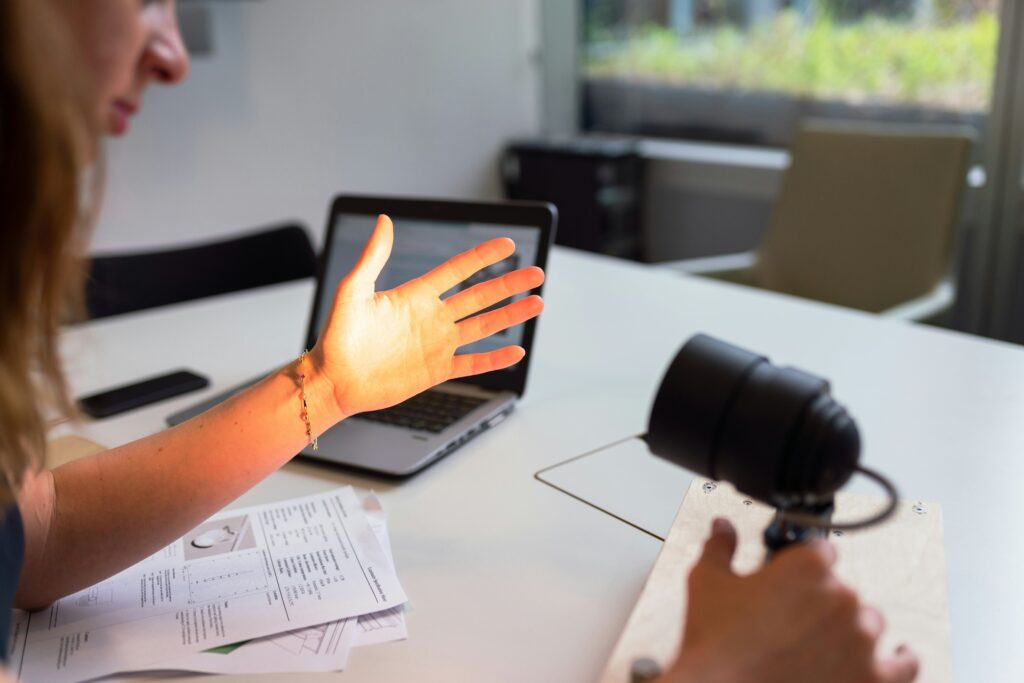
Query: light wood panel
point(898, 566)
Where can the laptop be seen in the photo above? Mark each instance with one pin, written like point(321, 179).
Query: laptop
point(406, 438)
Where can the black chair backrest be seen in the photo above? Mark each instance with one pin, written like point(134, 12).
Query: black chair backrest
point(132, 282)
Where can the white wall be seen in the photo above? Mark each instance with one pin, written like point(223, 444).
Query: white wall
point(307, 98)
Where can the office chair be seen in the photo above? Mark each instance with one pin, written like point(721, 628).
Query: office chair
point(131, 282)
point(866, 218)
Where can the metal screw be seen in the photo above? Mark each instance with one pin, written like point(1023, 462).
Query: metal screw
point(644, 670)
point(709, 486)
point(748, 502)
point(837, 532)
point(919, 509)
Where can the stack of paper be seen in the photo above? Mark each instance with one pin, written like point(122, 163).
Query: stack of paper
point(290, 586)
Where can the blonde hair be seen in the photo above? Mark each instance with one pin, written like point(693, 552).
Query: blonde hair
point(46, 139)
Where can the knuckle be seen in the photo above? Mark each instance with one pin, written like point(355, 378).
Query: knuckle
point(488, 325)
point(876, 622)
point(864, 637)
point(450, 273)
point(479, 298)
point(819, 553)
point(697, 575)
point(844, 601)
point(806, 561)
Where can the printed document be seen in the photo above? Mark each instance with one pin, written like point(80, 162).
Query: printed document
point(243, 574)
point(321, 648)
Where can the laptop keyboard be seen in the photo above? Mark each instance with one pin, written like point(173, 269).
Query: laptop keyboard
point(431, 411)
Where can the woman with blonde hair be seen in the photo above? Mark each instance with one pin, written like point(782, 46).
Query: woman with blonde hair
point(71, 70)
point(396, 343)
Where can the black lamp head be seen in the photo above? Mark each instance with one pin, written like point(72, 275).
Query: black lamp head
point(775, 433)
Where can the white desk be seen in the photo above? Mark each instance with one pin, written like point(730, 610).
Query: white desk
point(511, 580)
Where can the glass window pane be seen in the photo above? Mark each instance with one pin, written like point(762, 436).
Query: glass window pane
point(748, 70)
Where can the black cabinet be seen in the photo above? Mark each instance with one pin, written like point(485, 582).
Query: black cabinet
point(596, 184)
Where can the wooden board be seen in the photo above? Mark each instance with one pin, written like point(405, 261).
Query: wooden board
point(898, 566)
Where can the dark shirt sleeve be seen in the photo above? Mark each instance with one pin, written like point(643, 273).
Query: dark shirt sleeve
point(12, 556)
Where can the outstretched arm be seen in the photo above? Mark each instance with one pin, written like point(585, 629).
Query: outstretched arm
point(91, 518)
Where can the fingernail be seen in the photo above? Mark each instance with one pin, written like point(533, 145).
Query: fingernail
point(720, 526)
point(901, 649)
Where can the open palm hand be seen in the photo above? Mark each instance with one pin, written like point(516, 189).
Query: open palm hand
point(380, 348)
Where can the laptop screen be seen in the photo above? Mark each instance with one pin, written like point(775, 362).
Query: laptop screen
point(419, 246)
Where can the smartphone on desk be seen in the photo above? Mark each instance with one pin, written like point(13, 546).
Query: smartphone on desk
point(120, 399)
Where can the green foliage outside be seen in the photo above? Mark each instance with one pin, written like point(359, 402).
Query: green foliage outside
point(874, 60)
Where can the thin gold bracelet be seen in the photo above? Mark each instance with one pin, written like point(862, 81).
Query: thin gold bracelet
point(305, 405)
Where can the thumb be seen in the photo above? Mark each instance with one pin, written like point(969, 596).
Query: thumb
point(720, 547)
point(375, 255)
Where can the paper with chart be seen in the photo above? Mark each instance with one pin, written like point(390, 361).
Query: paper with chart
point(316, 649)
point(321, 648)
point(241, 575)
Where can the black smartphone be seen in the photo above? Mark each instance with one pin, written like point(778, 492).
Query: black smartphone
point(118, 400)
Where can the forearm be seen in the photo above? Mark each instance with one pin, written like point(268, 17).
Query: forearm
point(91, 518)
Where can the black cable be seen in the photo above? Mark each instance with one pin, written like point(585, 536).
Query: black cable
point(811, 521)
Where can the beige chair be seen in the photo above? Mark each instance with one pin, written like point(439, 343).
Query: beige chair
point(866, 218)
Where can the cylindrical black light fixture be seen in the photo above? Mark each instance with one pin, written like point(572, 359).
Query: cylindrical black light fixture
point(775, 433)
